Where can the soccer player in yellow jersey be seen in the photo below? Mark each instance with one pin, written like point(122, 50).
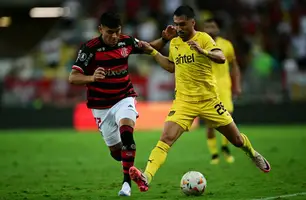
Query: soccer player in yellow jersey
point(224, 76)
point(190, 57)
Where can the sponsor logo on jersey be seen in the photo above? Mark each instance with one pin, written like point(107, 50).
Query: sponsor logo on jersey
point(181, 59)
point(116, 72)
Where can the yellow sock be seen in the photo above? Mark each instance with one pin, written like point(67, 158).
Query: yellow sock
point(156, 159)
point(247, 146)
point(212, 145)
point(225, 141)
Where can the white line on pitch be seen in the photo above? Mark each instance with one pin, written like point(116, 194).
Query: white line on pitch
point(282, 196)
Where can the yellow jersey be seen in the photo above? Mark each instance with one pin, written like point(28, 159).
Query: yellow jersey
point(222, 71)
point(194, 80)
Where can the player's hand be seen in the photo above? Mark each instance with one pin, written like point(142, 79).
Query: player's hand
point(146, 47)
point(195, 46)
point(99, 74)
point(169, 33)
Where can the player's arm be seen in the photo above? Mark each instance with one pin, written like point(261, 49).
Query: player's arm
point(235, 70)
point(77, 75)
point(163, 61)
point(159, 43)
point(167, 35)
point(77, 78)
point(235, 76)
point(214, 53)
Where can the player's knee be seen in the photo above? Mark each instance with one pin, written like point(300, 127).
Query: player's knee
point(238, 141)
point(127, 121)
point(167, 138)
point(116, 155)
point(171, 133)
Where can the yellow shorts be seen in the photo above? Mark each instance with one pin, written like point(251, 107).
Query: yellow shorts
point(226, 99)
point(212, 111)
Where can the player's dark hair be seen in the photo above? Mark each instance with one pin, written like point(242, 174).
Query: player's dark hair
point(110, 19)
point(215, 20)
point(210, 20)
point(185, 10)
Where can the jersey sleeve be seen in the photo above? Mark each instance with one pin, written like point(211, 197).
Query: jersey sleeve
point(135, 46)
point(209, 43)
point(84, 58)
point(231, 52)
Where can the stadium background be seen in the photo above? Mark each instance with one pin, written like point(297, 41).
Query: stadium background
point(37, 50)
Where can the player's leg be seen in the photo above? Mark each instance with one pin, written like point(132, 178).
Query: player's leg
point(128, 152)
point(112, 139)
point(179, 119)
point(226, 150)
point(172, 131)
point(124, 148)
point(115, 151)
point(218, 117)
point(212, 146)
point(226, 99)
point(108, 133)
point(240, 140)
point(125, 117)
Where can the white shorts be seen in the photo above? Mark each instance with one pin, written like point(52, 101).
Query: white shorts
point(108, 119)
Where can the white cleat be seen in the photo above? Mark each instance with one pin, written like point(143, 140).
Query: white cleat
point(125, 190)
point(261, 162)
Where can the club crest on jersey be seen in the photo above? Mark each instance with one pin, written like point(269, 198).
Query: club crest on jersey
point(82, 56)
point(124, 52)
point(120, 44)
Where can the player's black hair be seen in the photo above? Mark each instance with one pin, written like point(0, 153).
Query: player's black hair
point(110, 19)
point(215, 20)
point(186, 11)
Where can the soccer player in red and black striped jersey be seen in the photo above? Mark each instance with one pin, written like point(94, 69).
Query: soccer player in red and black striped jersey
point(102, 65)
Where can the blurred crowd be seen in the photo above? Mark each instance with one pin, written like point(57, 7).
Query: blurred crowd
point(269, 37)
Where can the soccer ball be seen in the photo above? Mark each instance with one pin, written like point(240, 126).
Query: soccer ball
point(193, 183)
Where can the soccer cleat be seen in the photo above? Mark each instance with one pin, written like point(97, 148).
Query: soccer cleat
point(139, 178)
point(214, 159)
point(229, 158)
point(125, 190)
point(227, 155)
point(261, 162)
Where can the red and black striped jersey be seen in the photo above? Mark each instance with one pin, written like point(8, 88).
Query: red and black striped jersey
point(117, 84)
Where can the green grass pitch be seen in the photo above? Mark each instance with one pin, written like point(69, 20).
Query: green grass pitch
point(61, 164)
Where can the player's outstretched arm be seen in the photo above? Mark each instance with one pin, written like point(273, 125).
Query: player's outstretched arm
point(167, 35)
point(77, 78)
point(159, 43)
point(163, 61)
point(160, 59)
point(215, 55)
